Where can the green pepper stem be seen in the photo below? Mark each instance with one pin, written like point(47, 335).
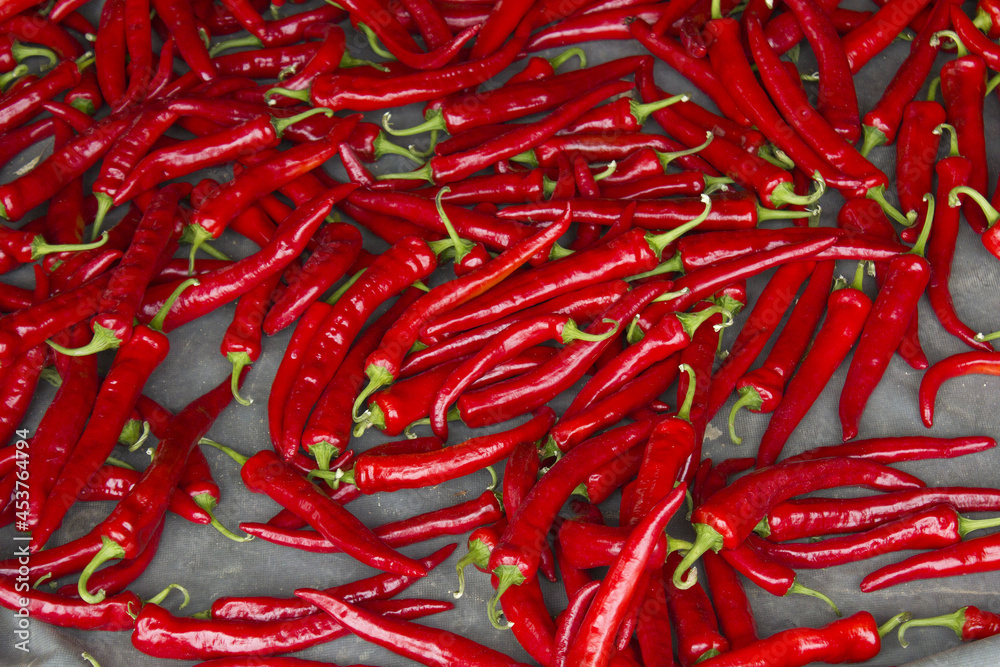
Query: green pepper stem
point(323, 452)
point(706, 537)
point(763, 528)
point(434, 120)
point(717, 183)
point(108, 551)
point(954, 622)
point(984, 337)
point(716, 9)
point(953, 144)
point(237, 43)
point(799, 589)
point(684, 411)
point(206, 502)
point(766, 153)
point(425, 173)
point(382, 147)
point(478, 555)
point(140, 440)
point(118, 463)
point(960, 49)
point(300, 95)
point(661, 241)
point(22, 51)
point(157, 322)
point(748, 398)
point(784, 195)
point(105, 203)
point(878, 194)
point(691, 321)
point(460, 245)
point(51, 375)
point(607, 171)
point(40, 248)
point(104, 339)
point(12, 76)
point(343, 288)
point(378, 377)
point(925, 231)
point(569, 54)
point(91, 659)
point(966, 525)
point(712, 652)
point(196, 235)
point(641, 112)
point(673, 265)
point(571, 332)
point(233, 454)
point(891, 624)
point(162, 595)
point(873, 137)
point(85, 61)
point(507, 576)
point(666, 158)
point(992, 215)
point(282, 124)
point(992, 84)
point(239, 360)
point(785, 214)
point(374, 44)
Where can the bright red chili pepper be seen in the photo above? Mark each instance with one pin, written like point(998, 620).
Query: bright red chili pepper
point(981, 554)
point(965, 363)
point(871, 37)
point(963, 87)
point(969, 623)
point(693, 620)
point(113, 614)
point(179, 18)
point(570, 621)
point(732, 608)
point(729, 516)
point(916, 153)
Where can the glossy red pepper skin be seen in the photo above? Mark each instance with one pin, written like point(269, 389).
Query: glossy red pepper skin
point(116, 578)
point(893, 450)
point(732, 608)
point(455, 520)
point(113, 614)
point(591, 545)
point(20, 105)
point(133, 364)
point(981, 554)
point(965, 363)
point(969, 623)
point(916, 153)
point(693, 619)
point(570, 621)
point(870, 38)
point(430, 646)
point(160, 634)
point(891, 313)
point(815, 517)
point(114, 483)
point(607, 611)
point(18, 383)
point(847, 309)
point(409, 471)
point(180, 19)
point(853, 639)
point(963, 87)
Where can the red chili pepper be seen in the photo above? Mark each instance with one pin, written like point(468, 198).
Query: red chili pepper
point(729, 516)
point(594, 642)
point(972, 38)
point(230, 282)
point(853, 639)
point(570, 621)
point(18, 383)
point(963, 86)
point(813, 517)
point(426, 645)
point(372, 474)
point(848, 308)
point(916, 153)
point(18, 106)
point(882, 122)
point(109, 51)
point(693, 620)
point(116, 578)
point(113, 614)
point(932, 528)
point(911, 448)
point(180, 20)
point(969, 623)
point(732, 608)
point(976, 555)
point(160, 634)
point(594, 25)
point(966, 363)
point(871, 37)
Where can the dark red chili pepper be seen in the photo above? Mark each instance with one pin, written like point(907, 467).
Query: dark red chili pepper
point(853, 639)
point(426, 645)
point(847, 310)
point(972, 38)
point(372, 474)
point(814, 517)
point(18, 382)
point(113, 483)
point(113, 614)
point(966, 363)
point(116, 578)
point(767, 313)
point(109, 51)
point(693, 620)
point(161, 634)
point(969, 623)
point(729, 516)
point(594, 642)
point(916, 153)
point(230, 282)
point(882, 122)
point(976, 555)
point(932, 528)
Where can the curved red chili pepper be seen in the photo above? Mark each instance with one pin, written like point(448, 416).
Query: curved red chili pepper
point(179, 18)
point(965, 363)
point(114, 613)
point(969, 623)
point(732, 608)
point(981, 554)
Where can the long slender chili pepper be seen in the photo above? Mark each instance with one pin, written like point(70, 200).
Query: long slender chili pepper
point(372, 474)
point(968, 623)
point(963, 86)
point(589, 545)
point(883, 121)
point(871, 37)
point(161, 634)
point(18, 385)
point(693, 620)
point(847, 310)
point(732, 608)
point(909, 448)
point(594, 643)
point(853, 639)
point(966, 363)
point(241, 344)
point(932, 528)
point(916, 153)
point(181, 22)
point(815, 517)
point(113, 614)
point(110, 52)
point(127, 531)
point(975, 555)
point(570, 621)
point(718, 523)
point(116, 578)
point(426, 645)
point(236, 279)
point(891, 313)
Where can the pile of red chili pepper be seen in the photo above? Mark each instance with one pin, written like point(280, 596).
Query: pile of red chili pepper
point(552, 279)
